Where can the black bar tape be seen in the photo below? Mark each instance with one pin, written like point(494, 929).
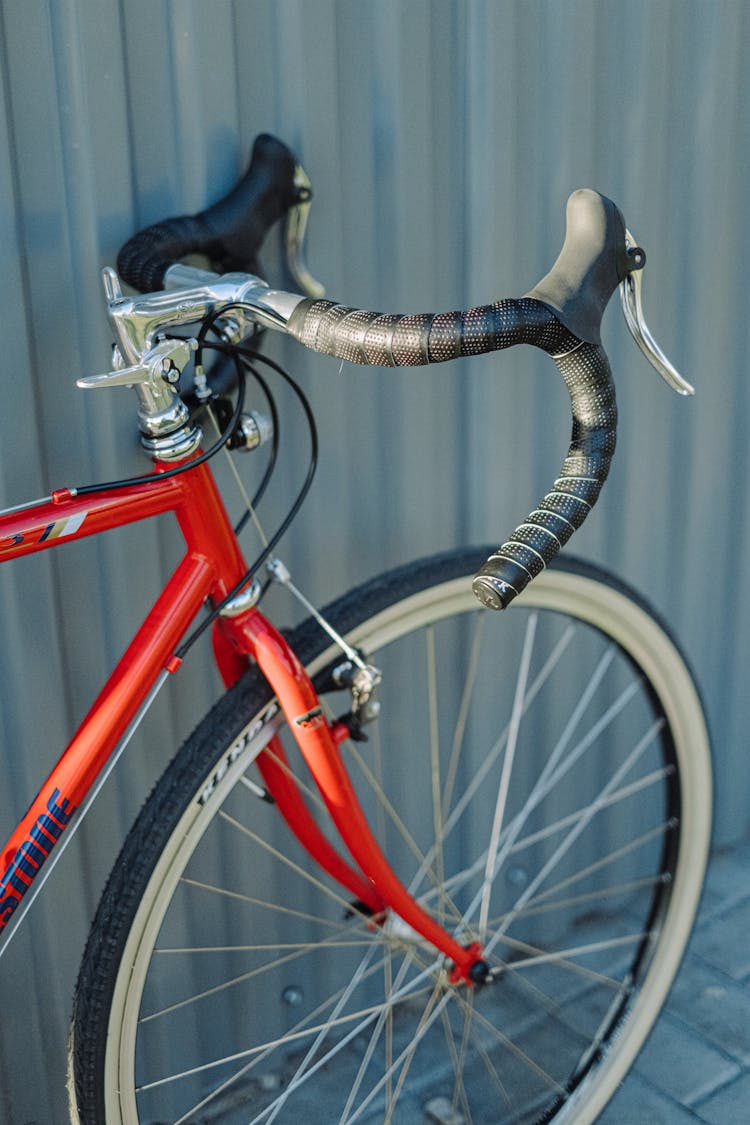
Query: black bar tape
point(393, 341)
point(145, 258)
point(229, 232)
point(406, 341)
point(537, 540)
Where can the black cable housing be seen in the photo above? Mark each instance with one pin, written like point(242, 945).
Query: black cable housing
point(243, 357)
point(250, 356)
point(185, 466)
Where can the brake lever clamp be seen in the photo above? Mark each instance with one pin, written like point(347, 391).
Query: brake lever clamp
point(630, 299)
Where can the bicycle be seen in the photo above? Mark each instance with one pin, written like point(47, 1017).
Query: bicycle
point(523, 800)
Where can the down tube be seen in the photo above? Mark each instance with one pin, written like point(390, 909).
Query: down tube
point(52, 812)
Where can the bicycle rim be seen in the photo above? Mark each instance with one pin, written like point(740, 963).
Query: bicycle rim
point(539, 780)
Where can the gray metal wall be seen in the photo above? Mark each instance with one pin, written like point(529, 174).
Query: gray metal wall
point(442, 139)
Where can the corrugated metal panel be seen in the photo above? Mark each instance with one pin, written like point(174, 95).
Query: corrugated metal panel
point(442, 139)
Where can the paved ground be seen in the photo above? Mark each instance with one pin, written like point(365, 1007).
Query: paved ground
point(696, 1065)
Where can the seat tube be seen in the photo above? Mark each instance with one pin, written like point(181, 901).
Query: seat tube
point(298, 698)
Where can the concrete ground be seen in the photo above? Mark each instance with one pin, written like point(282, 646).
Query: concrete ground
point(696, 1064)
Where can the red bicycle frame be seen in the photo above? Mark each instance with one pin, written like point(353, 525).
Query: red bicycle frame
point(211, 567)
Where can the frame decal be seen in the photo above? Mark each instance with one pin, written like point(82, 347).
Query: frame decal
point(311, 720)
point(60, 528)
point(237, 748)
point(27, 862)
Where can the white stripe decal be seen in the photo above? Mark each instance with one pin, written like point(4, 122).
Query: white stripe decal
point(71, 525)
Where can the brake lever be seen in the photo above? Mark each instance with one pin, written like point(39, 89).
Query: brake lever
point(295, 225)
point(630, 298)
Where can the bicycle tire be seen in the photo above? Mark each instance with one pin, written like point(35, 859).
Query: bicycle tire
point(583, 949)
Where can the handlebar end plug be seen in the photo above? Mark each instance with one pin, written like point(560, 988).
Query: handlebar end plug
point(493, 593)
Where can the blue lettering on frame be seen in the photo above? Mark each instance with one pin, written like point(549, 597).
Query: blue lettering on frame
point(29, 858)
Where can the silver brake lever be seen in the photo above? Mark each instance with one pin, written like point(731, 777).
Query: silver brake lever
point(295, 225)
point(630, 297)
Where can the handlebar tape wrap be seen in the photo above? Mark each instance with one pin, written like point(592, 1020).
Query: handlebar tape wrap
point(562, 316)
point(394, 341)
point(230, 232)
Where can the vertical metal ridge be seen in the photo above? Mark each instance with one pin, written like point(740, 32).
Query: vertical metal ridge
point(442, 139)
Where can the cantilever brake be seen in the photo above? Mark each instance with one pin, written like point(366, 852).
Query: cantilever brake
point(630, 298)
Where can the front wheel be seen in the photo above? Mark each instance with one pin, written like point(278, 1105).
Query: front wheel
point(540, 782)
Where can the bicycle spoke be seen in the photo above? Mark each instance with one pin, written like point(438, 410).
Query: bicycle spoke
point(268, 847)
point(645, 782)
point(491, 1070)
point(407, 1056)
point(384, 1013)
point(550, 775)
point(298, 1033)
point(364, 1014)
point(385, 806)
point(472, 671)
point(371, 1014)
point(275, 907)
point(575, 832)
point(299, 1077)
point(493, 857)
point(285, 1040)
point(378, 773)
point(549, 761)
point(304, 787)
point(552, 1007)
point(515, 827)
point(389, 1030)
point(276, 963)
point(297, 950)
point(301, 1032)
point(458, 1056)
point(462, 877)
point(533, 907)
point(548, 783)
point(384, 1024)
point(563, 957)
point(304, 945)
point(606, 860)
point(492, 756)
point(504, 1040)
point(434, 741)
point(403, 1061)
